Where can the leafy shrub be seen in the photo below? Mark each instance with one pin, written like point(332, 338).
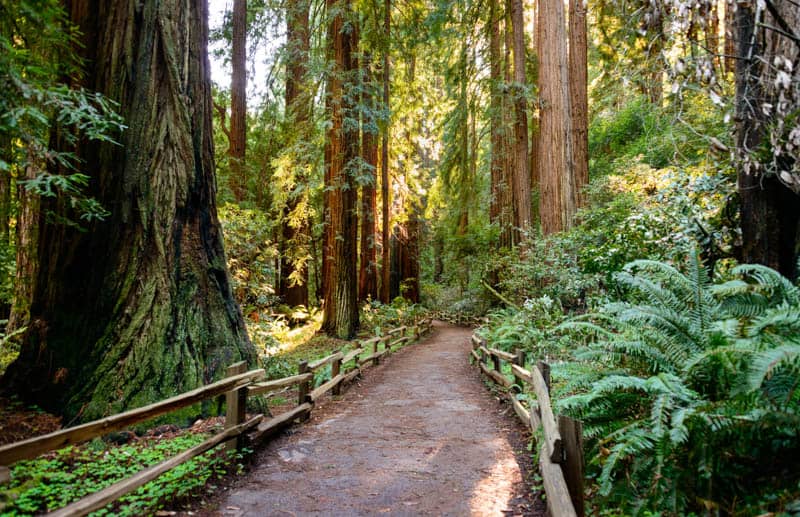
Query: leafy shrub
point(376, 315)
point(697, 405)
point(251, 254)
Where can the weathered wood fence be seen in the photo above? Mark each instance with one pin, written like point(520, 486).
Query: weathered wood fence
point(561, 450)
point(237, 387)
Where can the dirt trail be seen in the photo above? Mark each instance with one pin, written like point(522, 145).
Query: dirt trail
point(420, 435)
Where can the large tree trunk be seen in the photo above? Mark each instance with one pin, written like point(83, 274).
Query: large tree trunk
point(500, 208)
point(368, 266)
point(139, 306)
point(340, 317)
point(557, 195)
point(385, 223)
point(522, 177)
point(578, 82)
point(293, 284)
point(770, 210)
point(238, 129)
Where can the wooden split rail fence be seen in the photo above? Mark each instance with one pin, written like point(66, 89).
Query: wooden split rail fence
point(561, 450)
point(237, 387)
point(459, 319)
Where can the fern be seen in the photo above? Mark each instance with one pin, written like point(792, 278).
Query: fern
point(698, 381)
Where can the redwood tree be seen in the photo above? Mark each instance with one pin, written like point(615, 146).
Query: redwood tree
point(579, 103)
point(340, 316)
point(521, 175)
point(138, 306)
point(293, 281)
point(368, 267)
point(385, 261)
point(237, 137)
point(557, 189)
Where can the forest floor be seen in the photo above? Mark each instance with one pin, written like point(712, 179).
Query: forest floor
point(420, 435)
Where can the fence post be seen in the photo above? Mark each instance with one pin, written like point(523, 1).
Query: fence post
point(496, 363)
point(571, 431)
point(336, 368)
point(545, 369)
point(519, 361)
point(303, 387)
point(376, 360)
point(235, 405)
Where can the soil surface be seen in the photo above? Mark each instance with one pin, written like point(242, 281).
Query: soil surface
point(420, 435)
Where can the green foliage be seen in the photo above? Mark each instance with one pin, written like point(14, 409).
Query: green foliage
point(251, 254)
point(698, 389)
point(35, 56)
point(53, 481)
point(376, 315)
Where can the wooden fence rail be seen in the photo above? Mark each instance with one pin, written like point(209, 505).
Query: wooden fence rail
point(561, 450)
point(237, 387)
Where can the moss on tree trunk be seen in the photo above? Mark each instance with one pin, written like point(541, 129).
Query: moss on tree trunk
point(138, 307)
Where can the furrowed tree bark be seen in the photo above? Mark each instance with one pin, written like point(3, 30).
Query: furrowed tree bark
point(340, 316)
point(522, 177)
point(578, 82)
point(385, 224)
point(138, 307)
point(770, 210)
point(498, 210)
point(294, 243)
point(557, 197)
point(368, 265)
point(238, 128)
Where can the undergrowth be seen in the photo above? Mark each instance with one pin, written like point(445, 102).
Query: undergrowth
point(62, 477)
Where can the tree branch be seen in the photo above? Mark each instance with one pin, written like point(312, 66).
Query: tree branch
point(223, 113)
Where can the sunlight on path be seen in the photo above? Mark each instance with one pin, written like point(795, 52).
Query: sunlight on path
point(420, 436)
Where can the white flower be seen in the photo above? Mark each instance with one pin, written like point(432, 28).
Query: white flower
point(782, 80)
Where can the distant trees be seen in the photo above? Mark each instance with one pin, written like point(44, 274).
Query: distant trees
point(238, 127)
point(138, 306)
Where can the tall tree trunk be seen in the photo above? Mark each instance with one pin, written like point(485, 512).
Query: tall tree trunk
point(578, 79)
point(238, 129)
point(522, 177)
point(139, 306)
point(501, 190)
point(368, 268)
point(465, 188)
point(294, 242)
point(340, 316)
point(385, 225)
point(770, 211)
point(557, 195)
point(509, 120)
point(27, 253)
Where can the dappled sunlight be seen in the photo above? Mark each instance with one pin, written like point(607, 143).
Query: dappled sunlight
point(493, 494)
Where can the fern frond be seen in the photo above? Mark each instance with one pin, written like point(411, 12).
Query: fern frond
point(767, 362)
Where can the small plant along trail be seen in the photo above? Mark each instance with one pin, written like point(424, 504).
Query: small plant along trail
point(420, 435)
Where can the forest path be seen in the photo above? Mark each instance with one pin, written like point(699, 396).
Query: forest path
point(420, 435)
